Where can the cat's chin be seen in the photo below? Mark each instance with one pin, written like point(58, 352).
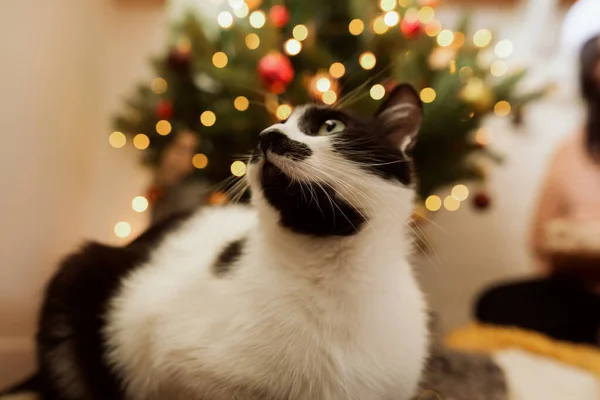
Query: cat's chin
point(270, 171)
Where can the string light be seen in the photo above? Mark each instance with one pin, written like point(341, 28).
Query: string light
point(159, 85)
point(292, 47)
point(433, 203)
point(141, 141)
point(499, 68)
point(367, 60)
point(426, 14)
point(411, 15)
point(122, 229)
point(377, 92)
point(451, 204)
point(387, 5)
point(391, 18)
point(163, 127)
point(337, 70)
point(405, 3)
point(117, 140)
point(465, 73)
point(433, 28)
point(329, 97)
point(504, 48)
point(199, 161)
point(252, 41)
point(452, 67)
point(502, 108)
point(283, 111)
point(139, 204)
point(257, 19)
point(356, 27)
point(241, 103)
point(428, 95)
point(323, 84)
point(238, 168)
point(445, 38)
point(300, 32)
point(225, 19)
point(236, 4)
point(460, 192)
point(242, 11)
point(459, 39)
point(481, 137)
point(482, 38)
point(220, 59)
point(379, 25)
point(208, 118)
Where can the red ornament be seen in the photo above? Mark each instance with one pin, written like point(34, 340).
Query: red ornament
point(164, 109)
point(482, 200)
point(410, 29)
point(276, 72)
point(279, 16)
point(179, 61)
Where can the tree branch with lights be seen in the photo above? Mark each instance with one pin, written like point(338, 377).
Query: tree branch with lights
point(213, 95)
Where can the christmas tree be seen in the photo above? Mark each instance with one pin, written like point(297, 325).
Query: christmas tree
point(270, 56)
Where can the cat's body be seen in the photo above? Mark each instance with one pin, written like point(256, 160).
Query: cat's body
point(307, 296)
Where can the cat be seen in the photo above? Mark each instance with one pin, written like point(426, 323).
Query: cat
point(306, 295)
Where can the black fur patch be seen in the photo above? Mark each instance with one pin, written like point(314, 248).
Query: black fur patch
point(76, 302)
point(230, 254)
point(280, 144)
point(308, 209)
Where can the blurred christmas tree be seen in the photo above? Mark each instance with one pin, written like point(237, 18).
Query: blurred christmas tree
point(272, 55)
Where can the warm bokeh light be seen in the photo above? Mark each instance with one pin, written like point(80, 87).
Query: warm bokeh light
point(117, 140)
point(300, 32)
point(122, 229)
point(139, 204)
point(241, 103)
point(257, 19)
point(428, 95)
point(426, 14)
point(459, 39)
point(225, 19)
point(208, 118)
point(504, 48)
point(323, 84)
point(460, 192)
point(411, 15)
point(238, 168)
point(220, 59)
point(482, 38)
point(451, 204)
point(379, 25)
point(337, 70)
point(391, 18)
point(499, 68)
point(141, 141)
point(283, 111)
point(242, 11)
point(329, 97)
point(445, 38)
point(377, 92)
point(502, 108)
point(433, 203)
point(482, 137)
point(199, 161)
point(163, 127)
point(405, 3)
point(356, 27)
point(252, 41)
point(433, 28)
point(367, 60)
point(292, 47)
point(159, 85)
point(387, 5)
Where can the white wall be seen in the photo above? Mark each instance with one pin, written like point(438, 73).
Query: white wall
point(64, 67)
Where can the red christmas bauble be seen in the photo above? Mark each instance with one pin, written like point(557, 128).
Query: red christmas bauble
point(179, 61)
point(164, 109)
point(410, 29)
point(275, 71)
point(279, 16)
point(482, 200)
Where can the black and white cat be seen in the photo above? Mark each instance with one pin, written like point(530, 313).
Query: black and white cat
point(306, 296)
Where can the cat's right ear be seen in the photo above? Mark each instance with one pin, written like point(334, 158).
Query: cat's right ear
point(401, 115)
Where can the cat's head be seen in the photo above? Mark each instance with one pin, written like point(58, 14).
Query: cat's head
point(326, 172)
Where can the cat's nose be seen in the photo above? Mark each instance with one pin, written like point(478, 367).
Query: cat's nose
point(272, 139)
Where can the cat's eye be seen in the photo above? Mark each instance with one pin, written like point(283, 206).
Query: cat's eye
point(330, 127)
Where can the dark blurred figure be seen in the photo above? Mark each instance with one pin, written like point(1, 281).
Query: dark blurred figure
point(565, 302)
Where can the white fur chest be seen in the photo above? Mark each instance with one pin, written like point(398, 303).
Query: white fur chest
point(279, 327)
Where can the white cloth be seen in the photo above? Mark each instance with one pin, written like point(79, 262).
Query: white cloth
point(581, 24)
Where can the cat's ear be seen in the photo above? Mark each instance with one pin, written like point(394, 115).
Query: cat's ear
point(401, 115)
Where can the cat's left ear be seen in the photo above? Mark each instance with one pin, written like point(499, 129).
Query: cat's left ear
point(401, 115)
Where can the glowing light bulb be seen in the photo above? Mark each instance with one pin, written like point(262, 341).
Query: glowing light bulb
point(329, 97)
point(499, 68)
point(356, 27)
point(482, 38)
point(391, 18)
point(122, 229)
point(367, 60)
point(387, 5)
point(225, 19)
point(445, 38)
point(323, 84)
point(238, 168)
point(252, 41)
point(451, 204)
point(377, 92)
point(241, 103)
point(504, 48)
point(208, 118)
point(460, 192)
point(379, 25)
point(139, 204)
point(242, 12)
point(220, 59)
point(257, 19)
point(337, 70)
point(159, 85)
point(433, 28)
point(283, 111)
point(199, 161)
point(426, 14)
point(163, 127)
point(141, 141)
point(292, 47)
point(117, 140)
point(433, 203)
point(502, 108)
point(300, 32)
point(428, 95)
